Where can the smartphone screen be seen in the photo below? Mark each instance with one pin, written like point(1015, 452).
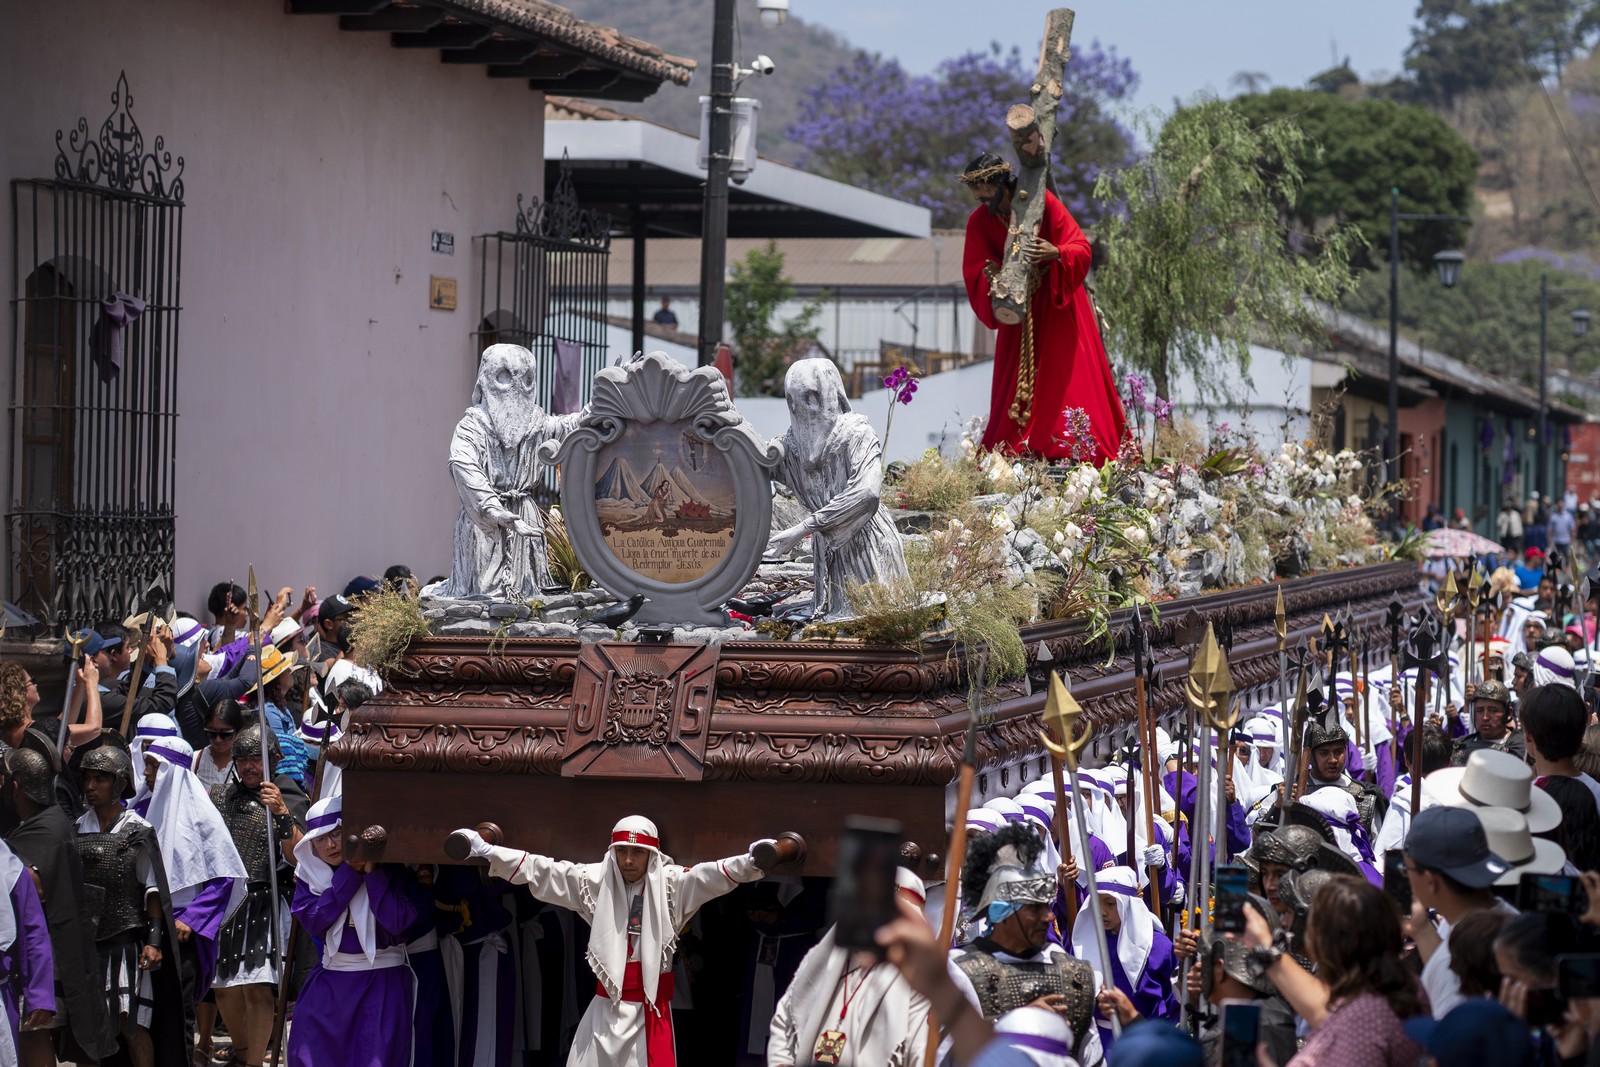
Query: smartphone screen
point(1552, 892)
point(1232, 890)
point(1241, 1025)
point(1395, 880)
point(863, 890)
point(1578, 976)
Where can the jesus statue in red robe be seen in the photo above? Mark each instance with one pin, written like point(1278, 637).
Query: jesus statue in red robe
point(1068, 370)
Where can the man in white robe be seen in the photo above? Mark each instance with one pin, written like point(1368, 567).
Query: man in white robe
point(635, 900)
point(851, 1008)
point(833, 461)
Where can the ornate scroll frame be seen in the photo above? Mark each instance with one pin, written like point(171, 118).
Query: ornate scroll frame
point(657, 388)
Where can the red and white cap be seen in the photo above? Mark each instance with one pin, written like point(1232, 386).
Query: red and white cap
point(638, 831)
point(907, 882)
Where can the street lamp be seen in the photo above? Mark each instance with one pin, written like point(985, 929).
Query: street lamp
point(1580, 327)
point(1449, 263)
point(719, 141)
point(1449, 267)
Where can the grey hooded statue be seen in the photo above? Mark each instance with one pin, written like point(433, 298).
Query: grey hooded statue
point(833, 461)
point(499, 539)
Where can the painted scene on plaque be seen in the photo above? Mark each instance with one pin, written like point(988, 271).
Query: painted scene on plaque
point(665, 501)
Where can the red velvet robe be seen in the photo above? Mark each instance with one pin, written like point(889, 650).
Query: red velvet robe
point(1070, 365)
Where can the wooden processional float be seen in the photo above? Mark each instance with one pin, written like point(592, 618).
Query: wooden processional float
point(552, 739)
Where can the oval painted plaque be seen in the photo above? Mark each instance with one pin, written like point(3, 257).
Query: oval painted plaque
point(665, 501)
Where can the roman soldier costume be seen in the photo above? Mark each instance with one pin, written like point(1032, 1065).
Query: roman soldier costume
point(1371, 804)
point(44, 841)
point(1004, 980)
point(122, 871)
point(245, 945)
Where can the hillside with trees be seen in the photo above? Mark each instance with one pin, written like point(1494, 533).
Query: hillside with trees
point(806, 56)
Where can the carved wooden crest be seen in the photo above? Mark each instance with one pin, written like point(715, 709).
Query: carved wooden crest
point(640, 711)
point(665, 490)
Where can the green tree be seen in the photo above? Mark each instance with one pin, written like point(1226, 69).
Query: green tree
point(1459, 47)
point(1491, 318)
point(1199, 260)
point(1369, 146)
point(764, 346)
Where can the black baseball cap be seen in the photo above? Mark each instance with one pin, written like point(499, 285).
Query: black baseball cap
point(1451, 840)
point(334, 606)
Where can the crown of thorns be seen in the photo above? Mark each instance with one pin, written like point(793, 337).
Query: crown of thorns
point(985, 174)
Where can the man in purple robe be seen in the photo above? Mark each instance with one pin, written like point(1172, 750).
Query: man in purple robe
point(27, 970)
point(1140, 951)
point(355, 1007)
point(205, 873)
point(1183, 786)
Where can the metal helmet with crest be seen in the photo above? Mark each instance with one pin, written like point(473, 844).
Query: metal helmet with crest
point(1003, 868)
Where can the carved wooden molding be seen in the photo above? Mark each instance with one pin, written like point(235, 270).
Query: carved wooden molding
point(824, 711)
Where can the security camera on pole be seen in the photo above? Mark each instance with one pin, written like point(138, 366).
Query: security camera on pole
point(717, 135)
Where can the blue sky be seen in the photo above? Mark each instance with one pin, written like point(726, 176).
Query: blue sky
point(1178, 47)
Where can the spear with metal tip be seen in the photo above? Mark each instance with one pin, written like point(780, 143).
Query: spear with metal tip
point(75, 643)
point(1424, 651)
point(252, 595)
point(1221, 718)
point(1061, 714)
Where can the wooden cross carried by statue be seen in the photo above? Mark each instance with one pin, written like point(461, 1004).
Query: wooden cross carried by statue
point(1033, 128)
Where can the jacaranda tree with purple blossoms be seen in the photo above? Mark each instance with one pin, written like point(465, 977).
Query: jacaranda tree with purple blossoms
point(908, 135)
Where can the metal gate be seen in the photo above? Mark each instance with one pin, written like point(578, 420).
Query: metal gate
point(94, 355)
point(544, 285)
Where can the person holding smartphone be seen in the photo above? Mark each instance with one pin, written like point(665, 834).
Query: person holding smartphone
point(1452, 873)
point(1361, 993)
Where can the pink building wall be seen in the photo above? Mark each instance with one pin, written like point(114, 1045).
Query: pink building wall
point(317, 388)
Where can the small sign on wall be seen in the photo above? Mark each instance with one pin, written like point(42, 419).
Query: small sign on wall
point(441, 293)
point(444, 243)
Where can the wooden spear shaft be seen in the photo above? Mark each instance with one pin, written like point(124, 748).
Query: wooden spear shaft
point(1146, 776)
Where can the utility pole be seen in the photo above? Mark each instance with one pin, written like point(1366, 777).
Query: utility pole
point(714, 224)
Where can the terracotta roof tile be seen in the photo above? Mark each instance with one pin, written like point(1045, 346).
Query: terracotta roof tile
point(604, 42)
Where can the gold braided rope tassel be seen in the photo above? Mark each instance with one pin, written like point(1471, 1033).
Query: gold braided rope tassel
point(1022, 404)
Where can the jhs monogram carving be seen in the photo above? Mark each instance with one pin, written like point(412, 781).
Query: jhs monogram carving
point(639, 710)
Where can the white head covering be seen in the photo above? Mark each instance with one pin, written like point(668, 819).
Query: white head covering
point(1040, 814)
point(985, 819)
point(1375, 725)
point(1038, 1033)
point(317, 735)
point(1554, 666)
point(151, 727)
point(1339, 807)
point(1006, 808)
point(1121, 886)
point(325, 818)
point(196, 846)
point(608, 942)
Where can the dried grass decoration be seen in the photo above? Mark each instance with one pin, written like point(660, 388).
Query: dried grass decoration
point(383, 627)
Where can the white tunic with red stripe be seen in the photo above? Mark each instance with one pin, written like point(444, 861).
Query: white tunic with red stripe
point(613, 1031)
